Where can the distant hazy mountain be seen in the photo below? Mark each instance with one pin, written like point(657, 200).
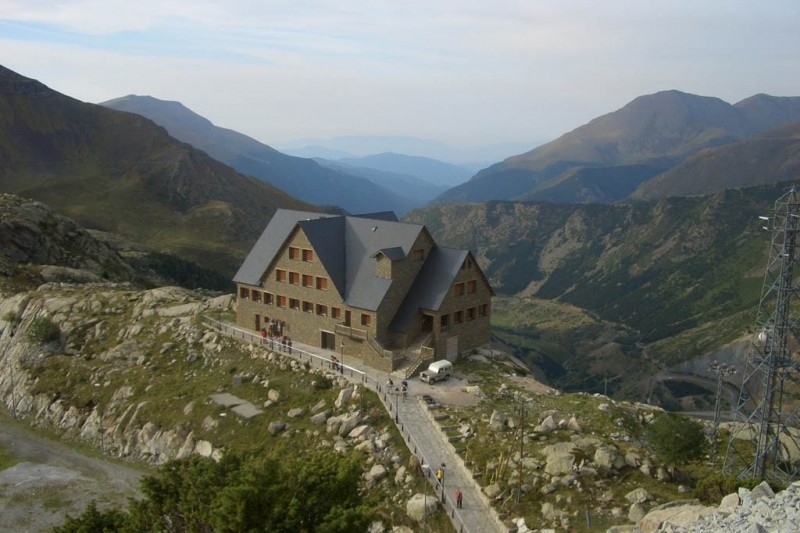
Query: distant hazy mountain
point(657, 131)
point(122, 173)
point(474, 158)
point(418, 191)
point(767, 158)
point(299, 177)
point(424, 168)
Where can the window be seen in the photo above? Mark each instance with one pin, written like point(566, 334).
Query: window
point(294, 252)
point(281, 301)
point(458, 317)
point(308, 255)
point(308, 281)
point(280, 275)
point(484, 310)
point(244, 292)
point(255, 295)
point(322, 284)
point(472, 286)
point(294, 278)
point(336, 312)
point(268, 298)
point(366, 319)
point(458, 289)
point(472, 312)
point(294, 303)
point(466, 264)
point(322, 310)
point(418, 255)
point(444, 322)
point(308, 307)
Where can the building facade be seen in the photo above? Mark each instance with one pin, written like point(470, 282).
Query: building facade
point(366, 286)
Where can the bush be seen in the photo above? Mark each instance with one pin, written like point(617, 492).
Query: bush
point(676, 438)
point(713, 488)
point(43, 330)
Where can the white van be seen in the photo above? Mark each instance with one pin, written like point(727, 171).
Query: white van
point(437, 371)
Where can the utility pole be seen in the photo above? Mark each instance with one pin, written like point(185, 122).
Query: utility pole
point(722, 370)
point(521, 411)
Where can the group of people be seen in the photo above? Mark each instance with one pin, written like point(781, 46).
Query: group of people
point(284, 342)
point(397, 390)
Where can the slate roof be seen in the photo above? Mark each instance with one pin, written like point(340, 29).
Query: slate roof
point(351, 272)
point(430, 286)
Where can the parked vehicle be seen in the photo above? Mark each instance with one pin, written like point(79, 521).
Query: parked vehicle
point(437, 371)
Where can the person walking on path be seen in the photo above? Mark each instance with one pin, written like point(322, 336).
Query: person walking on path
point(459, 498)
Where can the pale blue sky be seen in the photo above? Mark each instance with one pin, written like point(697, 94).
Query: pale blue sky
point(464, 72)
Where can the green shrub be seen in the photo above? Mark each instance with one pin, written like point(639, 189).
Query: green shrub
point(43, 330)
point(676, 438)
point(713, 488)
point(322, 383)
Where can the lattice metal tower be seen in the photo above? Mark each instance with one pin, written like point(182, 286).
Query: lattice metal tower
point(769, 398)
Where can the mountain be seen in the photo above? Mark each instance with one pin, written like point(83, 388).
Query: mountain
point(417, 191)
point(424, 168)
point(301, 178)
point(474, 158)
point(122, 173)
point(770, 157)
point(658, 131)
point(676, 278)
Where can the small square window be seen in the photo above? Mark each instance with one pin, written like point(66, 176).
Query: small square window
point(294, 303)
point(366, 319)
point(308, 307)
point(281, 301)
point(322, 310)
point(256, 296)
point(268, 298)
point(280, 275)
point(458, 289)
point(472, 286)
point(336, 312)
point(308, 255)
point(294, 252)
point(294, 278)
point(308, 281)
point(322, 283)
point(244, 292)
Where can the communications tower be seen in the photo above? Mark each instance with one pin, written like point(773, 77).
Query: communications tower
point(766, 413)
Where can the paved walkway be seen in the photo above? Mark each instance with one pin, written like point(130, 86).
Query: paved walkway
point(421, 432)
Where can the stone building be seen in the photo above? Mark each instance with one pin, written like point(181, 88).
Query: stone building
point(366, 286)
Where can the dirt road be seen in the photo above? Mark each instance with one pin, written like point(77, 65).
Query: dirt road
point(53, 481)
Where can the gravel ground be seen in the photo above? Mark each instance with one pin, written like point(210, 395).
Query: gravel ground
point(53, 481)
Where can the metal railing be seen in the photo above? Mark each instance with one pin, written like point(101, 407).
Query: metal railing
point(438, 486)
point(276, 346)
point(374, 383)
point(353, 333)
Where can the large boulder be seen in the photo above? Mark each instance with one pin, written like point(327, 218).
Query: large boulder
point(498, 421)
point(421, 505)
point(344, 397)
point(674, 516)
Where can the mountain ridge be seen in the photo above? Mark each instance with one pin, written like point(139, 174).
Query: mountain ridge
point(122, 173)
point(661, 129)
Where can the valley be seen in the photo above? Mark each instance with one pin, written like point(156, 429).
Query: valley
point(626, 256)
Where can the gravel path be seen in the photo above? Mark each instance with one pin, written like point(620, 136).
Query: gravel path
point(53, 481)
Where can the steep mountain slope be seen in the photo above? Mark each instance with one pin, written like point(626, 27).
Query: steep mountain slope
point(657, 130)
point(682, 275)
point(302, 178)
point(773, 156)
point(122, 173)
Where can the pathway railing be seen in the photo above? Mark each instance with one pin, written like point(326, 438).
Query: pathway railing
point(273, 344)
point(375, 383)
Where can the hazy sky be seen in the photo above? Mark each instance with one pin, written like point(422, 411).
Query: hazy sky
point(460, 71)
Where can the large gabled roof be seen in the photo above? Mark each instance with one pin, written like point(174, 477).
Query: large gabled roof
point(431, 285)
point(270, 242)
point(352, 272)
